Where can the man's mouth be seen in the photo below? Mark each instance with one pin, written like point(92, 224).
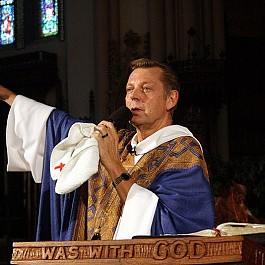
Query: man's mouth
point(135, 111)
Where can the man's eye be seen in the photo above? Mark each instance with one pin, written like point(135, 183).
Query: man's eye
point(129, 89)
point(146, 89)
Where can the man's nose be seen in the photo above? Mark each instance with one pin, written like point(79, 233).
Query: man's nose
point(136, 93)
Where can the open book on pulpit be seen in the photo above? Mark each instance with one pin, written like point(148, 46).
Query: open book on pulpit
point(231, 229)
point(224, 229)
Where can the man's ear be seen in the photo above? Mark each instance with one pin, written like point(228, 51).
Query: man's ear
point(172, 99)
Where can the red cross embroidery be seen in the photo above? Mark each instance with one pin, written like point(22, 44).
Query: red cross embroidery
point(60, 166)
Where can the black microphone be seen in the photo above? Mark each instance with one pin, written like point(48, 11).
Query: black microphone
point(120, 117)
point(131, 150)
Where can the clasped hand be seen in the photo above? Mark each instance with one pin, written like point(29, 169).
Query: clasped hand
point(107, 138)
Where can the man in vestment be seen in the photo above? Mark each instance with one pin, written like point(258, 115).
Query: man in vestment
point(151, 181)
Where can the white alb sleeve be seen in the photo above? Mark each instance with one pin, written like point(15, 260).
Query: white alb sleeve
point(138, 213)
point(25, 136)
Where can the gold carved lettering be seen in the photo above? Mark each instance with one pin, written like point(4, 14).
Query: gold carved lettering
point(143, 251)
point(25, 253)
point(160, 250)
point(197, 249)
point(129, 251)
point(73, 253)
point(17, 254)
point(178, 249)
point(60, 253)
point(225, 248)
point(95, 252)
point(47, 253)
point(115, 251)
point(106, 252)
point(181, 249)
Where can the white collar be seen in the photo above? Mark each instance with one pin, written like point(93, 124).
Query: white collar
point(161, 136)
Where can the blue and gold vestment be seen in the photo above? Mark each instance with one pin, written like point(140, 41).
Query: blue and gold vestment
point(175, 171)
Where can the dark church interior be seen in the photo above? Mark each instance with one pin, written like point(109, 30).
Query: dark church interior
point(217, 49)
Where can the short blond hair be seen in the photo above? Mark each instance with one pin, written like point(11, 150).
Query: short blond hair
point(169, 78)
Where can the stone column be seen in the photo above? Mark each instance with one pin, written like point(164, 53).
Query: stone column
point(157, 30)
point(102, 36)
point(207, 11)
point(218, 28)
point(80, 55)
point(170, 28)
point(114, 9)
point(187, 17)
point(133, 16)
point(219, 45)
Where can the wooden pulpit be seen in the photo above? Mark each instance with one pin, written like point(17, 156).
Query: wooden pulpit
point(159, 250)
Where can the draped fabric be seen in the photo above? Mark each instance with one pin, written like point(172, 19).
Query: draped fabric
point(175, 171)
point(57, 213)
point(185, 203)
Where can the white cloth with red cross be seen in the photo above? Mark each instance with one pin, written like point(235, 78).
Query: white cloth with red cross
point(75, 159)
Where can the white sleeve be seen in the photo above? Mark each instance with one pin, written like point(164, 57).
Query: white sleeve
point(25, 136)
point(138, 213)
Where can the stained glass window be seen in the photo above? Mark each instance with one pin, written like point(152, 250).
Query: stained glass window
point(48, 18)
point(7, 22)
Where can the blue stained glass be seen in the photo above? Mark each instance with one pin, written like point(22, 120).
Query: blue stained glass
point(7, 22)
point(49, 17)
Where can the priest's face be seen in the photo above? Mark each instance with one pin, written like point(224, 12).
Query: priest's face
point(147, 100)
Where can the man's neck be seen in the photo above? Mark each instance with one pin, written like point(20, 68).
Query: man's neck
point(143, 133)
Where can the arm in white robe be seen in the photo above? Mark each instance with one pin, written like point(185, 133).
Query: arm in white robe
point(25, 136)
